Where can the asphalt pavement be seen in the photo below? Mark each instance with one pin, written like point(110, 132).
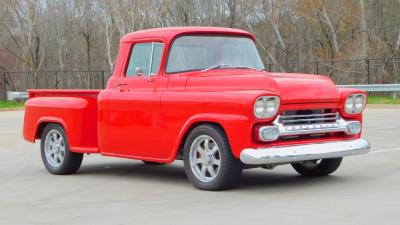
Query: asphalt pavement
point(365, 189)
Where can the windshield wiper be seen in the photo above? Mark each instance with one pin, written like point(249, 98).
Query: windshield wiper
point(230, 66)
point(247, 67)
point(215, 67)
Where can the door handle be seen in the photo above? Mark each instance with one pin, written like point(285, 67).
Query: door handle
point(120, 85)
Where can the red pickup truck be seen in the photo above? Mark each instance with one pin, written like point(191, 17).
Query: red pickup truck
point(200, 94)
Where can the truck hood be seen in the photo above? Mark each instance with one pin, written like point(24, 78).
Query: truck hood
point(291, 87)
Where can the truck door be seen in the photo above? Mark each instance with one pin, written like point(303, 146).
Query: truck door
point(134, 116)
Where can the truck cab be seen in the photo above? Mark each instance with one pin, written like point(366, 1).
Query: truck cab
point(201, 95)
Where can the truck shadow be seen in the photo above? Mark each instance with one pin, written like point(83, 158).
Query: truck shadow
point(137, 170)
point(287, 180)
point(174, 173)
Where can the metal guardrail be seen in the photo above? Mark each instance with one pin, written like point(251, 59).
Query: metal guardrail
point(375, 87)
point(393, 88)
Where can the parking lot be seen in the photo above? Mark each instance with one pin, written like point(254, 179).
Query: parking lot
point(365, 189)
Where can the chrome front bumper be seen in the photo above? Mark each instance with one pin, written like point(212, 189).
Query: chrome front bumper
point(296, 153)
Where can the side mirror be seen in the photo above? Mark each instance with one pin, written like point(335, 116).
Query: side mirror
point(139, 71)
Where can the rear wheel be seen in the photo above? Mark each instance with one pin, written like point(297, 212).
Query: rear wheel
point(55, 152)
point(209, 163)
point(317, 168)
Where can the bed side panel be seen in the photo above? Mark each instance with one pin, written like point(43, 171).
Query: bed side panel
point(78, 116)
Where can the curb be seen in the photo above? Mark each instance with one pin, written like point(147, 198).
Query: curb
point(12, 109)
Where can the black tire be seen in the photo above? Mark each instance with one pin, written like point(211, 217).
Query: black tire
point(323, 168)
point(230, 168)
point(71, 162)
point(152, 163)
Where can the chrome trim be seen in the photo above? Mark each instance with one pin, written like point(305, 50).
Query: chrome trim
point(310, 115)
point(151, 58)
point(296, 153)
point(339, 125)
point(308, 119)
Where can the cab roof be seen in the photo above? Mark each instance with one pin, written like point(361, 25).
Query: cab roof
point(170, 33)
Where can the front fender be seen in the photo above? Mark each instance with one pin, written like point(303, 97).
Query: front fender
point(237, 128)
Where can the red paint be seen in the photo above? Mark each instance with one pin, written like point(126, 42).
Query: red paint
point(148, 120)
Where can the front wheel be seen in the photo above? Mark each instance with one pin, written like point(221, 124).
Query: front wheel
point(317, 168)
point(209, 163)
point(55, 151)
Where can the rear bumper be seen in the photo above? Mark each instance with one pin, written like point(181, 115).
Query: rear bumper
point(295, 153)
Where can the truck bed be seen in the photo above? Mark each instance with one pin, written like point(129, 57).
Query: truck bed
point(63, 93)
point(74, 110)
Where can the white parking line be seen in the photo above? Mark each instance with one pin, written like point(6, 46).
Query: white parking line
point(386, 150)
point(381, 128)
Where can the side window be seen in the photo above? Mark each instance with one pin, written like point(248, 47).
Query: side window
point(157, 54)
point(145, 57)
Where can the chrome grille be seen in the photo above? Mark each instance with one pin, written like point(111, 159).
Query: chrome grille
point(302, 124)
point(299, 117)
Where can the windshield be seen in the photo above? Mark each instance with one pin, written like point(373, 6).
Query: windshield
point(190, 53)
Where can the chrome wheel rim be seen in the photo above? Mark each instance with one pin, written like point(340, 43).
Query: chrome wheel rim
point(54, 148)
point(205, 158)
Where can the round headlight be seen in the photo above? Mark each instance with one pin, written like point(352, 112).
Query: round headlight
point(259, 107)
point(355, 103)
point(266, 107)
point(349, 105)
point(359, 102)
point(272, 105)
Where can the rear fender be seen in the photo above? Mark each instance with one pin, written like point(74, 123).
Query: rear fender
point(78, 117)
point(43, 121)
